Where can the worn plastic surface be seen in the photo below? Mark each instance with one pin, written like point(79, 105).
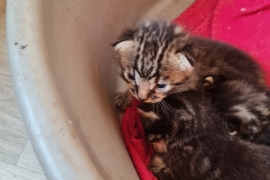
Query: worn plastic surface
point(65, 79)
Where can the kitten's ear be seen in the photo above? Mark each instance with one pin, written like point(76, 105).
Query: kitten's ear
point(123, 45)
point(185, 62)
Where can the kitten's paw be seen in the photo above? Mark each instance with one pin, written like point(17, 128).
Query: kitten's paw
point(208, 81)
point(123, 100)
point(157, 164)
point(160, 146)
point(158, 142)
point(159, 168)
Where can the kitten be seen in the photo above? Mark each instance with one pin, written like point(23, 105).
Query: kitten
point(200, 147)
point(245, 108)
point(159, 58)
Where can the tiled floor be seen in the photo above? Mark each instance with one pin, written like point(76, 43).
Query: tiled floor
point(17, 158)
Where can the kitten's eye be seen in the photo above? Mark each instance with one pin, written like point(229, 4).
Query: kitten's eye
point(131, 77)
point(161, 86)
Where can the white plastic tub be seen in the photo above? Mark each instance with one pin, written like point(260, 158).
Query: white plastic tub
point(65, 79)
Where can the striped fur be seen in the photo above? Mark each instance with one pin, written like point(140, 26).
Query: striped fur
point(151, 54)
point(199, 145)
point(159, 58)
point(245, 108)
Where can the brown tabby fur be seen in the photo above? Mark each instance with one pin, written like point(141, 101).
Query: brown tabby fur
point(200, 147)
point(159, 58)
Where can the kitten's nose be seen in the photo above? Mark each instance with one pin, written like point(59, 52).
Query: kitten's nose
point(142, 95)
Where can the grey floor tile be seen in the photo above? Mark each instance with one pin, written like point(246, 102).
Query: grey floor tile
point(11, 172)
point(28, 159)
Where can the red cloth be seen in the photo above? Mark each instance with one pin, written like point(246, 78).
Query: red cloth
point(140, 152)
point(242, 23)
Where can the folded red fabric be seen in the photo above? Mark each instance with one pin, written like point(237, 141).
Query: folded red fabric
point(139, 150)
point(244, 24)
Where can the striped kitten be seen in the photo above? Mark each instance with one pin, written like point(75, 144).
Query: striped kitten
point(198, 145)
point(159, 58)
point(245, 108)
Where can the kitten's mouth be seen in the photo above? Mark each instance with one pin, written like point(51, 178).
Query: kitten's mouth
point(153, 99)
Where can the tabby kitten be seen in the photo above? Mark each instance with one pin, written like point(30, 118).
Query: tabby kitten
point(246, 117)
point(245, 108)
point(159, 58)
point(200, 147)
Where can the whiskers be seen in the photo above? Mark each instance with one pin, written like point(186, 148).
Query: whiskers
point(164, 107)
point(155, 108)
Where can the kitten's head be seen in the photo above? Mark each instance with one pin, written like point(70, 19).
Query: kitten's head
point(152, 59)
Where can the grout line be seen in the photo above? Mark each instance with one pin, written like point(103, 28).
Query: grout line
point(31, 170)
point(16, 164)
point(21, 152)
point(21, 168)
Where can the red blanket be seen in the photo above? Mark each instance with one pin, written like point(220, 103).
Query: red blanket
point(242, 23)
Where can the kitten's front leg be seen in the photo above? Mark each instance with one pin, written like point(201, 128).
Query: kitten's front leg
point(123, 100)
point(160, 146)
point(159, 168)
point(159, 142)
